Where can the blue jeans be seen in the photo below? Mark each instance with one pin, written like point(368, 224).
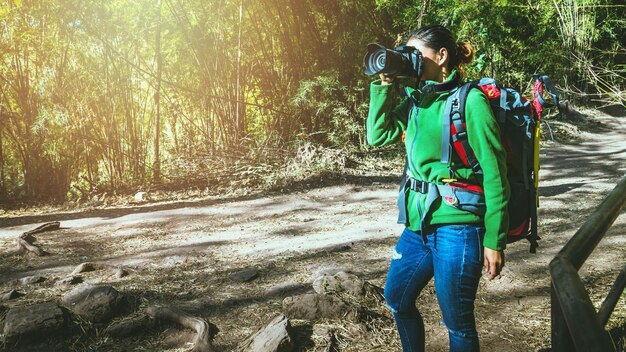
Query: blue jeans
point(454, 255)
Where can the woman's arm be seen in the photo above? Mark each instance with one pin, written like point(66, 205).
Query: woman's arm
point(483, 133)
point(385, 123)
point(484, 138)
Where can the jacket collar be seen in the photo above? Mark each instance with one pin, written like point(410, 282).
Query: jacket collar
point(436, 87)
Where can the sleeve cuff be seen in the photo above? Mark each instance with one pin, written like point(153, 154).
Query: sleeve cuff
point(378, 87)
point(497, 244)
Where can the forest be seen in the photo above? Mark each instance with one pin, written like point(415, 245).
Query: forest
point(112, 96)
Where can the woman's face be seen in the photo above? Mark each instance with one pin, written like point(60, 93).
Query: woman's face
point(434, 61)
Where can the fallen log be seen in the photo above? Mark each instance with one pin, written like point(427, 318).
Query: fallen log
point(277, 336)
point(25, 243)
point(50, 226)
point(25, 246)
point(200, 341)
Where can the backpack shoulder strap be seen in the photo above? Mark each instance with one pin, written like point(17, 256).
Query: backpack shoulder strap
point(454, 133)
point(446, 147)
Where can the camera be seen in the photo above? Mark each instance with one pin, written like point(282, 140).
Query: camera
point(404, 61)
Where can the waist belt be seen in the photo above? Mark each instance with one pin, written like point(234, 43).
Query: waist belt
point(458, 195)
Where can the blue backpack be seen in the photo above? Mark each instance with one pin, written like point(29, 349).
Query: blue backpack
point(519, 122)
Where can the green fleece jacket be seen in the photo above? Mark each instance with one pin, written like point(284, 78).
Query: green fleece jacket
point(386, 123)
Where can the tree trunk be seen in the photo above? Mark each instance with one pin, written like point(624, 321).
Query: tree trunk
point(423, 8)
point(3, 187)
point(239, 116)
point(156, 176)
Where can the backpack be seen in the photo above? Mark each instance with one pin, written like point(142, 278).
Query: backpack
point(519, 122)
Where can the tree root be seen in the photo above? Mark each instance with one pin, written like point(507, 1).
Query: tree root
point(201, 341)
point(25, 243)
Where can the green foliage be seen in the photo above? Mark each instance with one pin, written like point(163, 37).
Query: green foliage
point(79, 79)
point(331, 110)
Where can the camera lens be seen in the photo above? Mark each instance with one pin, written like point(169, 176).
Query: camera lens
point(375, 59)
point(402, 62)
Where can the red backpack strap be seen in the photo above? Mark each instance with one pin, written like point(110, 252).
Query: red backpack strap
point(454, 135)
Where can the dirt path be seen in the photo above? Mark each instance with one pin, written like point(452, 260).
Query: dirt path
point(184, 253)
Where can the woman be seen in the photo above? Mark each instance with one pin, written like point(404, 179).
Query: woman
point(445, 242)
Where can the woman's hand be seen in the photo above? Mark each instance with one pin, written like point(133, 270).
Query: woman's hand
point(386, 79)
point(493, 262)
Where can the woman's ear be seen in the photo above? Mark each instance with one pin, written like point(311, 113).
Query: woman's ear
point(442, 57)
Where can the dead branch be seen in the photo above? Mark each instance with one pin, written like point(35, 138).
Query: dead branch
point(50, 226)
point(25, 246)
point(25, 243)
point(201, 341)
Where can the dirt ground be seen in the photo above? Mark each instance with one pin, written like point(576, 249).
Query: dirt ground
point(181, 254)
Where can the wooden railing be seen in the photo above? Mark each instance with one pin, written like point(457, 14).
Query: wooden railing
point(576, 326)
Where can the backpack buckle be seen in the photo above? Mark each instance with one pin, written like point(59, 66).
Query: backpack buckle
point(459, 136)
point(455, 103)
point(418, 186)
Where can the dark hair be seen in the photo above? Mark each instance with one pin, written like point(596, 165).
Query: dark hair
point(437, 37)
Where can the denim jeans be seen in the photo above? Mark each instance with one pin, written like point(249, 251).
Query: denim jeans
point(454, 255)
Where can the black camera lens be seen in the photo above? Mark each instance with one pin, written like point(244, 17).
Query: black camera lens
point(375, 60)
point(402, 62)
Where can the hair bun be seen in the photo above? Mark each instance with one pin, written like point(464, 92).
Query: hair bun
point(465, 52)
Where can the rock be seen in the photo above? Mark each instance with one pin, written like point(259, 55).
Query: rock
point(13, 294)
point(120, 273)
point(83, 268)
point(29, 280)
point(277, 336)
point(140, 197)
point(245, 275)
point(335, 248)
point(326, 271)
point(128, 326)
point(340, 282)
point(174, 260)
point(314, 306)
point(87, 267)
point(322, 330)
point(327, 335)
point(97, 304)
point(33, 322)
point(69, 281)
